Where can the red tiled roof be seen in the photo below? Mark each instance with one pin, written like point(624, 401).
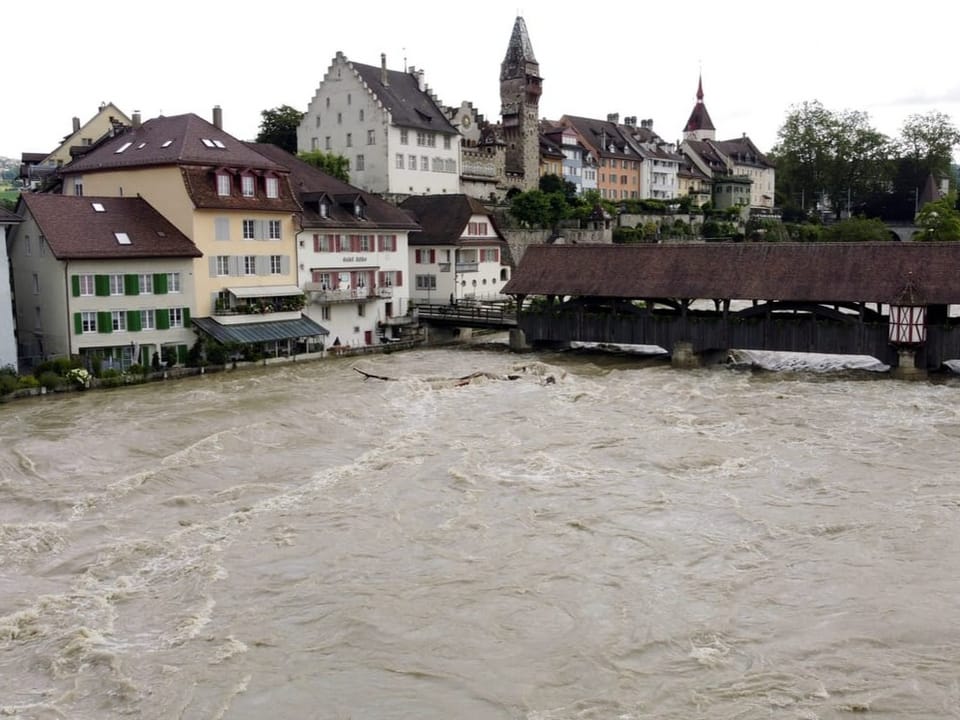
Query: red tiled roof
point(74, 229)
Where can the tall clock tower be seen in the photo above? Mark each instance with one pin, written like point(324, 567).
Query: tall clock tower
point(520, 88)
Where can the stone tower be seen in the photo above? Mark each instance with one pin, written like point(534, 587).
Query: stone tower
point(520, 88)
point(699, 126)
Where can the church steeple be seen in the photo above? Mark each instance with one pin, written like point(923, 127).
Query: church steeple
point(699, 126)
point(520, 89)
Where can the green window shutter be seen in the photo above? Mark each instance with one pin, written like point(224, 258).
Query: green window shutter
point(160, 283)
point(163, 319)
point(186, 317)
point(75, 282)
point(101, 285)
point(182, 354)
point(104, 322)
point(77, 320)
point(133, 320)
point(131, 285)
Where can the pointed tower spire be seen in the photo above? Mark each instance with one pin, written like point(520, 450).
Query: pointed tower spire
point(699, 126)
point(520, 89)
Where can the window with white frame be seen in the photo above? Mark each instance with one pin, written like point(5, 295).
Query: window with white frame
point(404, 137)
point(477, 229)
point(275, 265)
point(399, 161)
point(88, 321)
point(145, 283)
point(273, 187)
point(249, 264)
point(371, 137)
point(78, 185)
point(148, 319)
point(173, 282)
point(387, 243)
point(489, 255)
point(249, 229)
point(326, 143)
point(359, 165)
point(325, 312)
point(86, 285)
point(118, 319)
point(424, 162)
point(223, 264)
point(366, 243)
point(223, 184)
point(273, 229)
point(116, 284)
point(36, 284)
point(349, 139)
point(413, 165)
point(42, 245)
point(247, 185)
point(176, 317)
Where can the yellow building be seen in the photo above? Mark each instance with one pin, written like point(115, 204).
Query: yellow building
point(235, 204)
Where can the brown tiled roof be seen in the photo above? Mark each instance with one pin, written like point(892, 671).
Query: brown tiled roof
point(443, 217)
point(75, 230)
point(743, 152)
point(800, 272)
point(201, 184)
point(175, 140)
point(310, 182)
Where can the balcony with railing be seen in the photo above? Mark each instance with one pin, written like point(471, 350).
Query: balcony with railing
point(467, 267)
point(320, 293)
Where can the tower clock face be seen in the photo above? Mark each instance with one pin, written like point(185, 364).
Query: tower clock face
point(466, 121)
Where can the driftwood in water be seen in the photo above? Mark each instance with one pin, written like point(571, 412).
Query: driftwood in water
point(457, 382)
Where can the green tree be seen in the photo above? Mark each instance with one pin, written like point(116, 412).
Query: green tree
point(336, 165)
point(279, 127)
point(939, 220)
point(856, 229)
point(531, 208)
point(552, 183)
point(822, 153)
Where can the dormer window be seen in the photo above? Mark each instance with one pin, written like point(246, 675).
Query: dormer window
point(358, 210)
point(223, 184)
point(247, 185)
point(273, 187)
point(324, 209)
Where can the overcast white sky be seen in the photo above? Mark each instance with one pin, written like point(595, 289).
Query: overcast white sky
point(757, 58)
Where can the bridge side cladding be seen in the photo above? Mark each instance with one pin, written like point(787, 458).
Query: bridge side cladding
point(711, 334)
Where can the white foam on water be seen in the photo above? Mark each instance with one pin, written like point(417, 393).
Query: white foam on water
point(811, 362)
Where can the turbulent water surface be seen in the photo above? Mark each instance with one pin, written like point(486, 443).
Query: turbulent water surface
point(598, 538)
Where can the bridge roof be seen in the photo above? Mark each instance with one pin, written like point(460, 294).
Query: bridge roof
point(799, 272)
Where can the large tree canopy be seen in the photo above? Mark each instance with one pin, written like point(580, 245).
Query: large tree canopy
point(279, 127)
point(822, 154)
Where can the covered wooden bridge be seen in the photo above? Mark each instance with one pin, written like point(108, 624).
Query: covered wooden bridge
point(888, 300)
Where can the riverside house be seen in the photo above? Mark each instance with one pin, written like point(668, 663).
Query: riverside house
point(237, 207)
point(101, 276)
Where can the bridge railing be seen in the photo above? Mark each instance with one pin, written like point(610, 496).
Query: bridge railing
point(473, 314)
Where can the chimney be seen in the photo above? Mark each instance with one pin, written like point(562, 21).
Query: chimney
point(217, 117)
point(613, 118)
point(136, 119)
point(420, 83)
point(384, 80)
point(76, 124)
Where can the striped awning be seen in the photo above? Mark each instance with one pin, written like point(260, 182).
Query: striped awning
point(268, 331)
point(265, 291)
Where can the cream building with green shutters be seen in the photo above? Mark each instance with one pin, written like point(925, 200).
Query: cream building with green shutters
point(101, 278)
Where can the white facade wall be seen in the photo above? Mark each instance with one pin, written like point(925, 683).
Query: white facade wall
point(351, 312)
point(340, 119)
point(8, 339)
point(442, 174)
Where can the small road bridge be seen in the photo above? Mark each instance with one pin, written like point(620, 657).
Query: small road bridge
point(889, 300)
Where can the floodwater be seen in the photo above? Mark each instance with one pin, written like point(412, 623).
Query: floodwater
point(598, 537)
